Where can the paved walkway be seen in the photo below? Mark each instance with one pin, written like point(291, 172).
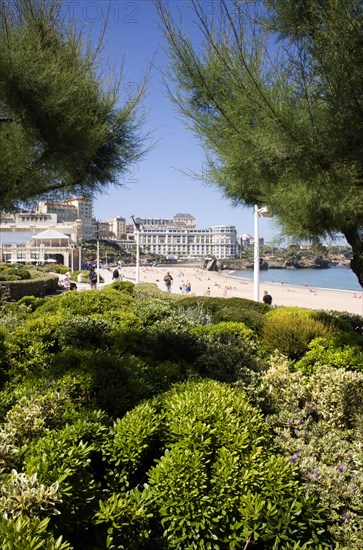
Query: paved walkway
point(106, 275)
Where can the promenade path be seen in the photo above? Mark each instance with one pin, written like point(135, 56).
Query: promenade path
point(106, 275)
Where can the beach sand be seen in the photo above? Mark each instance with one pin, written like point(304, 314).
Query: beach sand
point(209, 283)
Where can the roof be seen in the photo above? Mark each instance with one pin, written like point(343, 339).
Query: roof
point(187, 216)
point(15, 237)
point(50, 234)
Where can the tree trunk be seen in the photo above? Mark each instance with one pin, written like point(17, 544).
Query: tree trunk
point(354, 237)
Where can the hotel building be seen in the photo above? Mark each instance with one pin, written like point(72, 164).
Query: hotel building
point(180, 239)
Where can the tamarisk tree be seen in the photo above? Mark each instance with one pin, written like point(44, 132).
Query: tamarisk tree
point(64, 128)
point(274, 90)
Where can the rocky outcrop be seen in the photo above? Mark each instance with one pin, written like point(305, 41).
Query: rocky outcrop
point(213, 265)
point(316, 263)
point(266, 263)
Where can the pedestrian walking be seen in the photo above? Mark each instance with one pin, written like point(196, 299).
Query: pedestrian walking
point(168, 280)
point(93, 278)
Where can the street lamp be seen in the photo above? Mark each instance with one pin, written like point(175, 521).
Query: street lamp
point(98, 255)
point(137, 229)
point(258, 213)
point(80, 253)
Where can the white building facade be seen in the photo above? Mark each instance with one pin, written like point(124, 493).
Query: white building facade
point(117, 227)
point(71, 210)
point(182, 243)
point(18, 231)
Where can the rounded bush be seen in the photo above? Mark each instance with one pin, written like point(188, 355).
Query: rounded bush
point(84, 331)
point(87, 303)
point(14, 274)
point(231, 309)
point(218, 478)
point(32, 302)
point(290, 331)
point(123, 286)
point(332, 352)
point(231, 328)
point(31, 346)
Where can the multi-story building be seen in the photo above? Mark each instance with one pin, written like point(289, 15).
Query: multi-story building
point(70, 210)
point(117, 227)
point(66, 223)
point(179, 220)
point(183, 242)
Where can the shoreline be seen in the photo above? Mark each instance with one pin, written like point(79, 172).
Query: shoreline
point(322, 288)
point(215, 284)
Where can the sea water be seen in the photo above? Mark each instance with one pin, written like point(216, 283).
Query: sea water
point(336, 278)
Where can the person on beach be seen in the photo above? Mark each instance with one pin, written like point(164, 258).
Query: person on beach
point(115, 275)
point(188, 287)
point(267, 298)
point(168, 280)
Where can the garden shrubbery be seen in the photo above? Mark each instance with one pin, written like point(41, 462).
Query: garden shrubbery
point(218, 479)
point(133, 419)
point(290, 331)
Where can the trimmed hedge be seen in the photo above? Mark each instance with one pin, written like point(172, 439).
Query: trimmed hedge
point(15, 290)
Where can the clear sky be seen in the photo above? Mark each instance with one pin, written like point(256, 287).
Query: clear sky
point(157, 186)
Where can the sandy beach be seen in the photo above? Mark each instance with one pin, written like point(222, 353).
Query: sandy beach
point(209, 283)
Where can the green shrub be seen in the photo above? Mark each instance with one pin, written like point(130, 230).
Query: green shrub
point(12, 315)
point(33, 415)
point(14, 274)
point(290, 331)
point(151, 310)
point(16, 289)
point(151, 290)
point(71, 457)
point(166, 345)
point(123, 286)
point(240, 330)
point(30, 415)
point(355, 321)
point(32, 302)
point(177, 321)
point(332, 352)
point(239, 310)
point(84, 331)
point(318, 423)
point(29, 533)
point(227, 352)
point(54, 268)
point(24, 494)
point(31, 346)
point(217, 480)
point(133, 445)
point(113, 384)
point(130, 515)
point(86, 303)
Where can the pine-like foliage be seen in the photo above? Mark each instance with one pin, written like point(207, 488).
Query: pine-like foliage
point(62, 128)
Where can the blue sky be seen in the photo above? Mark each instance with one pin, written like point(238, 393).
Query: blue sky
point(157, 186)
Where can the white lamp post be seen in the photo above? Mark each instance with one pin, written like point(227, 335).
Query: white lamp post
point(258, 212)
point(80, 255)
point(98, 255)
point(72, 258)
point(137, 229)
